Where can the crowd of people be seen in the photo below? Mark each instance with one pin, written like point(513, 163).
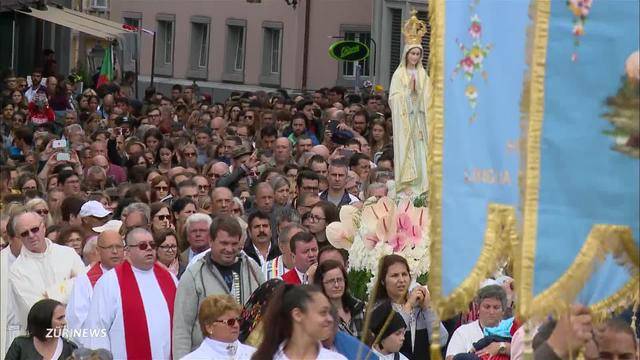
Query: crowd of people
point(179, 227)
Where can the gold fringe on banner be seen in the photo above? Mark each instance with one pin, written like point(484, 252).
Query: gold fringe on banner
point(437, 14)
point(612, 305)
point(532, 121)
point(500, 241)
point(434, 159)
point(602, 240)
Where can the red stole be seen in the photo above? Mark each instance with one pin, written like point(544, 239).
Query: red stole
point(136, 330)
point(291, 277)
point(94, 274)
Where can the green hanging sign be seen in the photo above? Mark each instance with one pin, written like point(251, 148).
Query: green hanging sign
point(348, 50)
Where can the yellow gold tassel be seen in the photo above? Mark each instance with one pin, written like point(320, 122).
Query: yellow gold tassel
point(435, 350)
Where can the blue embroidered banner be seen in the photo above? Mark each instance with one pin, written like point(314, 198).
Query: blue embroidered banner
point(589, 168)
point(484, 47)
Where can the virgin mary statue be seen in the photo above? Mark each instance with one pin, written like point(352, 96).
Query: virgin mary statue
point(409, 97)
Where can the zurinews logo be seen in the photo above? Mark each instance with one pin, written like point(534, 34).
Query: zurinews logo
point(75, 333)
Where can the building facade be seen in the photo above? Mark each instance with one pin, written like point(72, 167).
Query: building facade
point(227, 45)
point(388, 18)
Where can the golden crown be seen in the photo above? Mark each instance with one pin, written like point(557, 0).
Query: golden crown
point(414, 30)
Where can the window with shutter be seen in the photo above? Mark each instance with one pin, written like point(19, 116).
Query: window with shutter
point(396, 35)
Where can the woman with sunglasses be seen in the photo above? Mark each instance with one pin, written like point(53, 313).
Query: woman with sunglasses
point(219, 319)
point(189, 156)
point(167, 250)
point(159, 188)
point(41, 207)
point(160, 217)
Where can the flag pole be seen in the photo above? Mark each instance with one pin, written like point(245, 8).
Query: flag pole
point(153, 58)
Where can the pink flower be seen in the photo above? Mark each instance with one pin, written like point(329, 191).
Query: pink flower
point(475, 30)
point(370, 241)
point(397, 242)
point(467, 64)
point(578, 29)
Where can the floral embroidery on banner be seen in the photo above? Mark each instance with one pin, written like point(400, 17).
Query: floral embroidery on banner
point(580, 10)
point(472, 60)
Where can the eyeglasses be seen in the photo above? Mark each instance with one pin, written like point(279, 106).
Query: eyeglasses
point(112, 248)
point(33, 230)
point(316, 218)
point(336, 281)
point(144, 245)
point(204, 187)
point(161, 188)
point(189, 154)
point(230, 322)
point(164, 217)
point(169, 247)
point(42, 212)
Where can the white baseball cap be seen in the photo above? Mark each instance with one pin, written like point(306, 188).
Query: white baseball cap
point(93, 208)
point(109, 225)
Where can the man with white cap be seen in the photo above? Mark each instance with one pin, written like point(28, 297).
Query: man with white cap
point(111, 252)
point(43, 269)
point(93, 214)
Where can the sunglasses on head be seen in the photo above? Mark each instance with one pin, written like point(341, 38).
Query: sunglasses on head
point(144, 245)
point(33, 230)
point(230, 322)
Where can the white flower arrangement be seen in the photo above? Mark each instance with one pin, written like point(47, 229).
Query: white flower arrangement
point(381, 228)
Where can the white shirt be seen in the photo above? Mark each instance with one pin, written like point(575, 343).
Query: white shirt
point(34, 276)
point(263, 260)
point(80, 303)
point(304, 279)
point(323, 354)
point(213, 349)
point(463, 338)
point(389, 356)
point(10, 326)
point(106, 313)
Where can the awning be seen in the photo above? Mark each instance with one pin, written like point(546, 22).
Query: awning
point(89, 24)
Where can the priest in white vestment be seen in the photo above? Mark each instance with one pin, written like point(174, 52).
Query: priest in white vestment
point(111, 252)
point(9, 321)
point(219, 318)
point(43, 269)
point(133, 302)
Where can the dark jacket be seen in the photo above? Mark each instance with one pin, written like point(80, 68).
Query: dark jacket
point(22, 347)
point(274, 251)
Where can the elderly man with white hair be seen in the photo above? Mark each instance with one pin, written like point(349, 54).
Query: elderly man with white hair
point(197, 229)
point(43, 269)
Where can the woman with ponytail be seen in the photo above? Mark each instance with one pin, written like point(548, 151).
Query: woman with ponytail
point(297, 319)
